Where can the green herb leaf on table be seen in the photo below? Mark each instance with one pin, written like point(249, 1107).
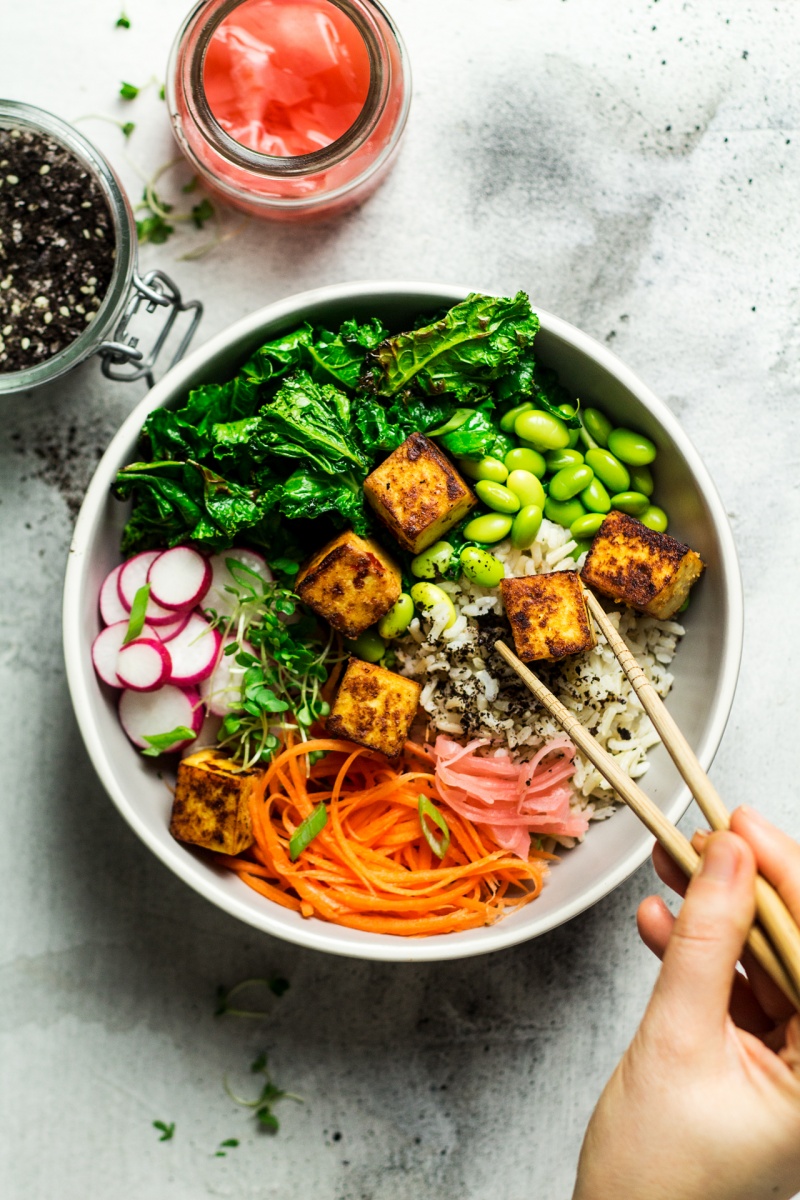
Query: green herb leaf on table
point(127, 128)
point(154, 229)
point(129, 91)
point(276, 984)
point(122, 21)
point(159, 743)
point(202, 212)
point(269, 1095)
point(167, 1130)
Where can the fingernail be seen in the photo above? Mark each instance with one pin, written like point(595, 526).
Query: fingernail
point(720, 860)
point(700, 837)
point(752, 814)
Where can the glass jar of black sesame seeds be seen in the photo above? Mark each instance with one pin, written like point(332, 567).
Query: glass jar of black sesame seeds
point(69, 284)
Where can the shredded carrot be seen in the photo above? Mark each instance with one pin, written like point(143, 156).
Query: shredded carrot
point(371, 868)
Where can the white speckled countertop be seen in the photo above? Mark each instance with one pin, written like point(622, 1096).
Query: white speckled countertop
point(636, 168)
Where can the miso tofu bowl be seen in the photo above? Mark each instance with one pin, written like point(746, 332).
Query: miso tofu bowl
point(285, 588)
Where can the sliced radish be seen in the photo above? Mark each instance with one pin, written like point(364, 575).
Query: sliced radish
point(179, 578)
point(194, 651)
point(150, 714)
point(106, 647)
point(111, 607)
point(144, 664)
point(133, 576)
point(223, 602)
point(222, 690)
point(168, 632)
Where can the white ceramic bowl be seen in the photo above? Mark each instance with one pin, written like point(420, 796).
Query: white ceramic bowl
point(705, 667)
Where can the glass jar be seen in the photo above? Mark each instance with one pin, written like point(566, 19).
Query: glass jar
point(108, 334)
point(301, 187)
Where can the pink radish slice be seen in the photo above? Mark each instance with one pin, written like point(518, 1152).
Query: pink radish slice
point(179, 578)
point(106, 647)
point(111, 607)
point(194, 651)
point(168, 632)
point(217, 599)
point(144, 664)
point(133, 576)
point(222, 691)
point(148, 714)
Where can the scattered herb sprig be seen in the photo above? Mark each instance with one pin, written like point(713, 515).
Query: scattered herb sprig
point(167, 1130)
point(275, 983)
point(269, 1095)
point(123, 21)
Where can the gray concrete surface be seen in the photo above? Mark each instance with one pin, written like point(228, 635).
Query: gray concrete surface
point(636, 167)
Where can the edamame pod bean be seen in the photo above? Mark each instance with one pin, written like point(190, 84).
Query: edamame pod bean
point(585, 527)
point(526, 487)
point(485, 468)
point(597, 425)
point(526, 526)
point(596, 498)
point(558, 459)
point(569, 481)
point(369, 646)
point(488, 528)
point(574, 436)
point(632, 503)
point(481, 567)
point(642, 480)
point(609, 470)
point(435, 559)
point(521, 459)
point(427, 596)
point(542, 430)
point(655, 518)
point(630, 447)
point(502, 444)
point(567, 410)
point(398, 618)
point(508, 419)
point(495, 496)
point(563, 512)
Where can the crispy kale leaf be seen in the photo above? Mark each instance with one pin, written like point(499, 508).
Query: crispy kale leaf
point(475, 343)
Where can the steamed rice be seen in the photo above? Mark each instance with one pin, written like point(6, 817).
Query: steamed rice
point(469, 691)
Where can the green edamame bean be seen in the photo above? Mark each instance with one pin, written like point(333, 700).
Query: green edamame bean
point(542, 430)
point(484, 468)
point(481, 567)
point(488, 528)
point(521, 459)
point(398, 618)
point(526, 487)
point(495, 496)
point(567, 410)
point(574, 436)
point(642, 480)
point(630, 447)
point(508, 419)
point(435, 559)
point(558, 459)
point(609, 470)
point(596, 498)
point(502, 444)
point(526, 526)
point(632, 503)
point(369, 646)
point(685, 604)
point(586, 527)
point(570, 480)
point(563, 512)
point(655, 518)
point(427, 596)
point(597, 425)
point(581, 547)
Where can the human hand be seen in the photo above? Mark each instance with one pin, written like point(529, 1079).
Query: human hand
point(705, 1103)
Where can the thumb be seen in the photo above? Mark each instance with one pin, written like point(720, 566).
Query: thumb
point(694, 987)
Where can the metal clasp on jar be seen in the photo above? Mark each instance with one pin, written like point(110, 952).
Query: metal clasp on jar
point(155, 290)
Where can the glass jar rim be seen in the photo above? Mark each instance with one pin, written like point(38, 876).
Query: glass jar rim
point(15, 113)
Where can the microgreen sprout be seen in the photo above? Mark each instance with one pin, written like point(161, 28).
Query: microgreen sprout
point(275, 983)
point(123, 21)
point(269, 1094)
point(167, 1130)
point(155, 225)
point(228, 1144)
point(129, 91)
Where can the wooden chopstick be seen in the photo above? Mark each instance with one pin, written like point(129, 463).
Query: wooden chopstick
point(677, 846)
point(772, 912)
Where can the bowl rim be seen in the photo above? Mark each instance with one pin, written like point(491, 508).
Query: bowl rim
point(314, 934)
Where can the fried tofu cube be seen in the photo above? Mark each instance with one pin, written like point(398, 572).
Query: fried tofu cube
point(211, 806)
point(418, 494)
point(548, 616)
point(351, 582)
point(374, 707)
point(649, 571)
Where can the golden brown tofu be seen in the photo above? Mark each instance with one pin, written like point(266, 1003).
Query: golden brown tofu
point(649, 571)
point(351, 582)
point(418, 494)
point(374, 707)
point(211, 807)
point(548, 615)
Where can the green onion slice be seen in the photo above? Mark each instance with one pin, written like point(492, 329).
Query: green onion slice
point(138, 610)
point(439, 846)
point(159, 742)
point(455, 422)
point(305, 833)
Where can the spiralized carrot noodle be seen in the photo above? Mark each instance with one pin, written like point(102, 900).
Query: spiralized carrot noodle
point(371, 867)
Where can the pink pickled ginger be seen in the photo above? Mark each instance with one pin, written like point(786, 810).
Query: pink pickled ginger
point(512, 799)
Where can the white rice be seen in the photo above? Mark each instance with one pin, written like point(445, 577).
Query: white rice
point(469, 691)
